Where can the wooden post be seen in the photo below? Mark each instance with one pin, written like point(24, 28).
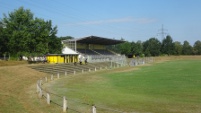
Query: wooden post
point(52, 77)
point(95, 69)
point(93, 109)
point(74, 72)
point(48, 98)
point(64, 104)
point(58, 75)
point(89, 69)
point(65, 73)
point(82, 71)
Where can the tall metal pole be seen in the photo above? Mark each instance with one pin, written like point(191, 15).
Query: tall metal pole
point(162, 32)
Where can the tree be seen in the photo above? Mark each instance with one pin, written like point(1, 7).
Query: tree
point(3, 40)
point(197, 47)
point(125, 48)
point(187, 48)
point(152, 47)
point(66, 37)
point(136, 48)
point(177, 48)
point(167, 45)
point(28, 35)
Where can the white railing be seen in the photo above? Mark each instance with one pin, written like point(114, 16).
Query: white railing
point(63, 102)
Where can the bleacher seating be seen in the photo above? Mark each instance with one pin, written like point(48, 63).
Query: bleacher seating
point(95, 52)
point(70, 68)
point(103, 52)
point(87, 51)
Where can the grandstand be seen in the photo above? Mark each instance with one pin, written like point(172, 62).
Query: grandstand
point(91, 45)
point(94, 49)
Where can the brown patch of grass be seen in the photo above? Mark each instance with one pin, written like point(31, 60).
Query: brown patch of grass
point(168, 58)
point(18, 90)
point(11, 63)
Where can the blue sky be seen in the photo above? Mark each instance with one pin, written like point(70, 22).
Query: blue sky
point(131, 20)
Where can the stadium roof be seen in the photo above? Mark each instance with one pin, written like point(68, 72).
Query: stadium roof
point(97, 40)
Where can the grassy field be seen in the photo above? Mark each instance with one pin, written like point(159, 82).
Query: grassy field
point(162, 87)
point(170, 87)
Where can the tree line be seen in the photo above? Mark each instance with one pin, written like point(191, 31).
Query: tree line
point(23, 34)
point(153, 47)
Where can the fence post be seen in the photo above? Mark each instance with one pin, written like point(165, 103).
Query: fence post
point(45, 79)
point(82, 71)
point(89, 69)
point(37, 87)
point(93, 109)
point(40, 93)
point(58, 75)
point(95, 69)
point(52, 77)
point(65, 73)
point(64, 104)
point(40, 82)
point(74, 72)
point(48, 98)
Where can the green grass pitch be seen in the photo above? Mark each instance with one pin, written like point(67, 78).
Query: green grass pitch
point(168, 87)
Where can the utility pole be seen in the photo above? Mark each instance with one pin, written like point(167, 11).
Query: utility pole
point(162, 32)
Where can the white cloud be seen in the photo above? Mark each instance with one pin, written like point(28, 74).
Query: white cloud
point(145, 20)
point(117, 20)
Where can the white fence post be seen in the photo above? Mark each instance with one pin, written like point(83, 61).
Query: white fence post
point(58, 75)
point(37, 87)
point(40, 93)
point(52, 77)
point(45, 79)
point(48, 98)
point(64, 104)
point(40, 82)
point(93, 109)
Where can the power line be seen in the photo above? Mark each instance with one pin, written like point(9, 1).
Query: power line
point(162, 32)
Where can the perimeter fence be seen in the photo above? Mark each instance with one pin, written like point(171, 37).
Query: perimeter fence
point(77, 106)
point(140, 61)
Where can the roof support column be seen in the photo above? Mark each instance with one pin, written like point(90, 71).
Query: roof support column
point(75, 46)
